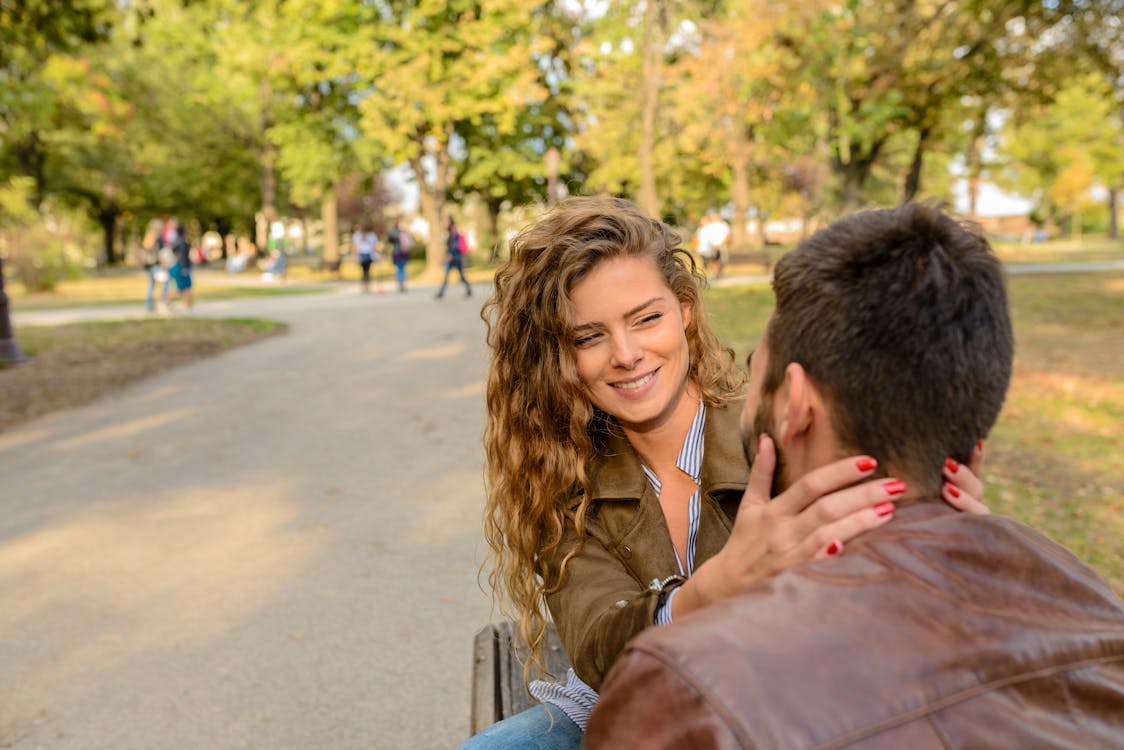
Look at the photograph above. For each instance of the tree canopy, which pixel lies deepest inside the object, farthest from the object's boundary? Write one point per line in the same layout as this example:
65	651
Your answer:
229	113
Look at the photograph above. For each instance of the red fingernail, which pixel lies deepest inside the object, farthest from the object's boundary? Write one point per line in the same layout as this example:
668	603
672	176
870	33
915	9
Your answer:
894	487
951	465
951	489
884	509
834	548
866	464
979	445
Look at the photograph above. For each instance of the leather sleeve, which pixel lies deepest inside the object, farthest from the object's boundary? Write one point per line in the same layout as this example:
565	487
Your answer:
645	703
598	608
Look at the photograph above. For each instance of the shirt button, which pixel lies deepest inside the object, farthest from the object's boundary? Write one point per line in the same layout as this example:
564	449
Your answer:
626	552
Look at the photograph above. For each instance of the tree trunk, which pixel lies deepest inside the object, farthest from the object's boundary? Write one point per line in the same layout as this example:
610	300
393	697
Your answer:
1113	225
432	200
108	220
913	176
648	197
494	240
853	172
329	215
739	195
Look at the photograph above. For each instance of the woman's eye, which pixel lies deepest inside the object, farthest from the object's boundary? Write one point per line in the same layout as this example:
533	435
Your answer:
651	318
585	340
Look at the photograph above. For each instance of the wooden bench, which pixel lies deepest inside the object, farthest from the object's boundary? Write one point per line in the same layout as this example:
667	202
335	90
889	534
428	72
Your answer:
330	266
497	673
752	256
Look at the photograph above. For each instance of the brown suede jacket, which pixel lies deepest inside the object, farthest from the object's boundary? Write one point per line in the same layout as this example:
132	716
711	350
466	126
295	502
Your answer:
937	630
607	595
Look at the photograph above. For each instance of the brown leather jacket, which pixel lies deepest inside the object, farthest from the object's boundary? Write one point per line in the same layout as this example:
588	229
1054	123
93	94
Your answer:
937	630
606	596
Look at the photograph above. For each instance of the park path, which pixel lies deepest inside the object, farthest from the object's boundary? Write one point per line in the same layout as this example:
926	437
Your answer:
274	548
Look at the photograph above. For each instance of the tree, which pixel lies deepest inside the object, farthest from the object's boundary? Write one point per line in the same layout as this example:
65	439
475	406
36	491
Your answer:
509	166
1057	150
422	68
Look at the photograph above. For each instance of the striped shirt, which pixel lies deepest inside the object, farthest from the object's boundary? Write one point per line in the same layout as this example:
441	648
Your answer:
574	697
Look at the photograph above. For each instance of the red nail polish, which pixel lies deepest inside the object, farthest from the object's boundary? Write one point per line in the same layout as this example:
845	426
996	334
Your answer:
834	548
979	446
884	509
951	489
951	465
894	487
866	464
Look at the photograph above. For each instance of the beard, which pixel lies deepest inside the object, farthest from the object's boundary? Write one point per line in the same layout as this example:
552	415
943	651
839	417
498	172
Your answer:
763	424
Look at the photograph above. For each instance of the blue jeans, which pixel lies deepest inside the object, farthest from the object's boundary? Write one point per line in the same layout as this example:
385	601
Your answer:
541	727
400	274
150	297
454	261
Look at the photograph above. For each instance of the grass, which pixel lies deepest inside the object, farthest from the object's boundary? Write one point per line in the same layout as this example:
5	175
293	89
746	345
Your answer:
128	287
1091	248
1054	460
74	364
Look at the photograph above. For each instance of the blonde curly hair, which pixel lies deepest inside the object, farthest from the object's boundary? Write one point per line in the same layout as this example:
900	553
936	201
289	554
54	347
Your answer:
542	428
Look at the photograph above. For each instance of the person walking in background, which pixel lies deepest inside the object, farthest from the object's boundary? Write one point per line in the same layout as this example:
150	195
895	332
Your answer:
180	271
712	240
150	259
454	258
400	244
366	246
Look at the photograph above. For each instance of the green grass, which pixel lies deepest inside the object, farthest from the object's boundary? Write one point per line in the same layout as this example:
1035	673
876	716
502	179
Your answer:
129	287
1054	459
73	364
1090	248
125	334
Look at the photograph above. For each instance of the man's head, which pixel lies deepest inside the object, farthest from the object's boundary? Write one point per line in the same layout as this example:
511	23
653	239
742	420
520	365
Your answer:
890	337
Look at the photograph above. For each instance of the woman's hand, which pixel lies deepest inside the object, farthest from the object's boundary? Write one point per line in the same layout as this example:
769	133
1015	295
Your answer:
963	489
812	518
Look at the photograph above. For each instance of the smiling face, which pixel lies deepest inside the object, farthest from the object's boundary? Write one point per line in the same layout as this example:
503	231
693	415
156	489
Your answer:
629	341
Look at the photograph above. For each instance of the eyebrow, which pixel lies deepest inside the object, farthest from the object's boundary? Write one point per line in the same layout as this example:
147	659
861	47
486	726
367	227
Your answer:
630	313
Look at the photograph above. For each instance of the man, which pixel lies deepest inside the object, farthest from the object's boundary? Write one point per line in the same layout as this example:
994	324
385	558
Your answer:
713	236
891	337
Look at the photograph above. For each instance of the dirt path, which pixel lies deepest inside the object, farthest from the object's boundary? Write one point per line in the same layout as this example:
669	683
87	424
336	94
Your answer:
277	547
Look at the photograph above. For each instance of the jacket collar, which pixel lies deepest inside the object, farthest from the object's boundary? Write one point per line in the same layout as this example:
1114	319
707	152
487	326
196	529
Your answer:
617	474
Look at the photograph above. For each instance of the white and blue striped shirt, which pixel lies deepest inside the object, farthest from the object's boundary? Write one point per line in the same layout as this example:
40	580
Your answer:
574	697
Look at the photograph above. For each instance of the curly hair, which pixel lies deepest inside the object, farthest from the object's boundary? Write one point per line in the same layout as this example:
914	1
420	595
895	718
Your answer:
542	429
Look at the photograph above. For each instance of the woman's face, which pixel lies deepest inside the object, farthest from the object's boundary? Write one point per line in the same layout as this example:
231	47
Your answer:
630	341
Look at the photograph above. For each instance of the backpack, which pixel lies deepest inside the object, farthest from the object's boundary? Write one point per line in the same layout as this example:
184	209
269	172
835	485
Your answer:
463	244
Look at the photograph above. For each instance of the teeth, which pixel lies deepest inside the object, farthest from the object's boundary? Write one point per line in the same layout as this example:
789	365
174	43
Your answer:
635	383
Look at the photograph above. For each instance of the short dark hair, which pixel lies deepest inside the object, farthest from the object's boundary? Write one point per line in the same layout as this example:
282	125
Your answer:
900	316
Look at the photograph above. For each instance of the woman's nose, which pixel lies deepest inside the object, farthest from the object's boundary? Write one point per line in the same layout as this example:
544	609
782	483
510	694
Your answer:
626	352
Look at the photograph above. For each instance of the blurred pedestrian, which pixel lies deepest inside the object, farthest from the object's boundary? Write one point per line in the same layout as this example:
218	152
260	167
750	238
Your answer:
455	250
366	247
180	271
150	259
712	239
400	243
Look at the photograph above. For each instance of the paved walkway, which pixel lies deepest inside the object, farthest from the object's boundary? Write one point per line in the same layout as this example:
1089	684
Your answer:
274	548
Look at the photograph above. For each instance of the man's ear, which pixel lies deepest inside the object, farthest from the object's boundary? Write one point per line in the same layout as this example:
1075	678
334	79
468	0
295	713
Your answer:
797	404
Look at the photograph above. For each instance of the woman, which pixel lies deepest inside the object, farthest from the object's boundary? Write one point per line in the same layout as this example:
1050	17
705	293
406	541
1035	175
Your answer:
619	492
455	248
